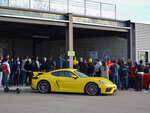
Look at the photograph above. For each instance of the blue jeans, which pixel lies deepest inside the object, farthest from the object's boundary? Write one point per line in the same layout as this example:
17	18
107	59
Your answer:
17	78
23	77
6	79
12	77
115	80
124	82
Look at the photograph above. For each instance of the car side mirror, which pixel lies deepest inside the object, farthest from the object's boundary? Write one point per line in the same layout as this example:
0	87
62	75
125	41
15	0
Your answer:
75	77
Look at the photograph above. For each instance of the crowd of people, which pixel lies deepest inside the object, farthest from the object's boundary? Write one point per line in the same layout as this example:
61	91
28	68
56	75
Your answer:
124	74
20	71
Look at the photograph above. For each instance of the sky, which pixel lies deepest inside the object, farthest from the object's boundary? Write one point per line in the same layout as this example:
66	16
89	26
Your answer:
134	10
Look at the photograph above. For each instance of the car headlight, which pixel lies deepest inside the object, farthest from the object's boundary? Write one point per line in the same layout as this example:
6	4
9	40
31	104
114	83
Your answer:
102	82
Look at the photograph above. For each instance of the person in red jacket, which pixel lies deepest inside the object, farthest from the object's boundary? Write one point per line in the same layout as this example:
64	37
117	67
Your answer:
6	72
132	77
109	64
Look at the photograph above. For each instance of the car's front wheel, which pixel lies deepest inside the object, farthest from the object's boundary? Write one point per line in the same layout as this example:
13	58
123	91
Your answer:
91	89
43	86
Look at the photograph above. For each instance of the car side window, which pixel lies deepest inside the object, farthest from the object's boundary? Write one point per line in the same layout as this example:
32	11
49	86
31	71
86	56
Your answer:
68	74
63	74
55	74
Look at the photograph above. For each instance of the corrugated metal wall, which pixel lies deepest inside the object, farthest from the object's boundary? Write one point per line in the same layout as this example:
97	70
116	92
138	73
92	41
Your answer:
142	34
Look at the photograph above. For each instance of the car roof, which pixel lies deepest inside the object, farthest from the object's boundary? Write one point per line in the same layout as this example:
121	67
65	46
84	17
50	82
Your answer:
66	69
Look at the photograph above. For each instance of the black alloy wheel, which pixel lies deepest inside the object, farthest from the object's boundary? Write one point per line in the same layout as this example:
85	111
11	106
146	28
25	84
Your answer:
43	86
91	89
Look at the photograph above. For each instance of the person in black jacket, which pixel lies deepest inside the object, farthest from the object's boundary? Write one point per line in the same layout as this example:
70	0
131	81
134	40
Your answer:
17	72
85	67
50	64
124	74
36	64
90	68
82	65
139	77
12	75
43	65
28	68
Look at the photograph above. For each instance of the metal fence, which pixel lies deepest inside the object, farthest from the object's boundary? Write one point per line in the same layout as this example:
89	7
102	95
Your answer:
80	7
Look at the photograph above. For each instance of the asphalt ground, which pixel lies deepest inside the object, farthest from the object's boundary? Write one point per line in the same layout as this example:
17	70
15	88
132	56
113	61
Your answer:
29	101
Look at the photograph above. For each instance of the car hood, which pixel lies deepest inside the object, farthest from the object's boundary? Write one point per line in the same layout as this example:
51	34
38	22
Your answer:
99	78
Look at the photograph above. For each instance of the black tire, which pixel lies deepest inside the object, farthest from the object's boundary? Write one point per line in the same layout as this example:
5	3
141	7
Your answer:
17	90
6	89
91	89
43	86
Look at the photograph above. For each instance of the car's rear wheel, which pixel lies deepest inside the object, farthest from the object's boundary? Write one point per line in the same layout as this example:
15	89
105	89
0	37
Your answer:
91	89
43	86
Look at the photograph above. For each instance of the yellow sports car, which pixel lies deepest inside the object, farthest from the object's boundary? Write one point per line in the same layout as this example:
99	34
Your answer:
71	80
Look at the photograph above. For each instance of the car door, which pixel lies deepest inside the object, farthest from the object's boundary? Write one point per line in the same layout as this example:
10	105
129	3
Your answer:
65	82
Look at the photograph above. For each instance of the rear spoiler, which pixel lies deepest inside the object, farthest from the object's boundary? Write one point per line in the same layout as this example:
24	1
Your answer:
37	73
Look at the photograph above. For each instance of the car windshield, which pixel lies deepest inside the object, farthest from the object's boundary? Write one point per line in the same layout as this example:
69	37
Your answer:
80	74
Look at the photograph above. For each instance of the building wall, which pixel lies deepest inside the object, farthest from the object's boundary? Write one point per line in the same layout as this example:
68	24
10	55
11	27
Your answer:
53	48
116	46
22	47
142	33
6	45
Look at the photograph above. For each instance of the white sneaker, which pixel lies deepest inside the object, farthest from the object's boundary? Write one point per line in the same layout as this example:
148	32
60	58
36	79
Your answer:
145	91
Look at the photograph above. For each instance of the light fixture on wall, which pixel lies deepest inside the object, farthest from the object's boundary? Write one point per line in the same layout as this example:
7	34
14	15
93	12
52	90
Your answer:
38	36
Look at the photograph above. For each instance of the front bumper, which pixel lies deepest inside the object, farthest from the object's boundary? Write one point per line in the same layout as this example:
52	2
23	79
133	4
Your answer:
108	89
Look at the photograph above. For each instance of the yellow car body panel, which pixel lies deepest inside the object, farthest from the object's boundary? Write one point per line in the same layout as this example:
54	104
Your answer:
69	84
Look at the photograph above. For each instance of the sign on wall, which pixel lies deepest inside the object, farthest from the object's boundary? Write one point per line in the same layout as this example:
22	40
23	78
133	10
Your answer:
94	54
103	55
71	53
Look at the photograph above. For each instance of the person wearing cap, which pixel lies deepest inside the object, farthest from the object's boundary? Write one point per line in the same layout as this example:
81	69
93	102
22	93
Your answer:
75	63
114	73
90	68
139	76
